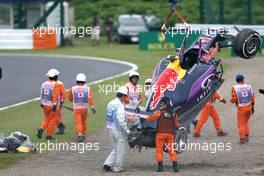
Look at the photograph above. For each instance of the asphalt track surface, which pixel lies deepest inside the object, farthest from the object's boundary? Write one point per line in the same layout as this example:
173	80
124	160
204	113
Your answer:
24	74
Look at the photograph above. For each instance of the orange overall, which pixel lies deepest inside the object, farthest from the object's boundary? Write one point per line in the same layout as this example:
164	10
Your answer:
49	97
62	97
165	134
209	110
81	96
243	97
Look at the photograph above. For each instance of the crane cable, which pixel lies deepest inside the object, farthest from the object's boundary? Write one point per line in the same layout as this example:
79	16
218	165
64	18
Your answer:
164	30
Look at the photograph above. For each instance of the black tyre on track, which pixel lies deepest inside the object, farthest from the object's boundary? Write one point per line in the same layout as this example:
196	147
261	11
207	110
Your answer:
247	43
181	140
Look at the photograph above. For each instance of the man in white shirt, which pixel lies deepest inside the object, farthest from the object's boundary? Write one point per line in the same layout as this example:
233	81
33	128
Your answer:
116	124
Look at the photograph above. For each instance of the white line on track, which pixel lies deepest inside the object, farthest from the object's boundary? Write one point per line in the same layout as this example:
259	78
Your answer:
133	67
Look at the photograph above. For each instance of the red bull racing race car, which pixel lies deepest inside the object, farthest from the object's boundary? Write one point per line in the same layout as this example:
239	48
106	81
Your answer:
189	79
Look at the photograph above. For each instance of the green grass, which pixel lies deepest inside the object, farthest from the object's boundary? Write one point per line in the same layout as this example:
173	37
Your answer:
27	118
8	159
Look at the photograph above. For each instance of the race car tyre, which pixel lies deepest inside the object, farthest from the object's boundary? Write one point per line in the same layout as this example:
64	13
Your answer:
181	138
247	43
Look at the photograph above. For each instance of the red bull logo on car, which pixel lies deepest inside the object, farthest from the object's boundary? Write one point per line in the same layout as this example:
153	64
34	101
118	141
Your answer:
166	81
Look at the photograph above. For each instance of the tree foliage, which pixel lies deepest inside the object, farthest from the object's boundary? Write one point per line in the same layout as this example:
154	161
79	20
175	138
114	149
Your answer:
235	11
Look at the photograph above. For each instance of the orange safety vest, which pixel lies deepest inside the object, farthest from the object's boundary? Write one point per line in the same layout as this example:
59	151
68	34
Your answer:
62	94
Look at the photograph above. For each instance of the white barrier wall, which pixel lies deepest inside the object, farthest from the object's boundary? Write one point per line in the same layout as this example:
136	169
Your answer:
229	27
16	39
21	39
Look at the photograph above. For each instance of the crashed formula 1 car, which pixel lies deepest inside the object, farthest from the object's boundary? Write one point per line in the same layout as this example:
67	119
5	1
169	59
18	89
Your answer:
189	80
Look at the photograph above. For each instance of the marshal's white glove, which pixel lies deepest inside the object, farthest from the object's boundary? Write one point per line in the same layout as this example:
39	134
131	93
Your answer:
128	132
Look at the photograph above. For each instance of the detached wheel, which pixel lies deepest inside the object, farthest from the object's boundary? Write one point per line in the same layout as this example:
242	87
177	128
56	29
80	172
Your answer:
247	43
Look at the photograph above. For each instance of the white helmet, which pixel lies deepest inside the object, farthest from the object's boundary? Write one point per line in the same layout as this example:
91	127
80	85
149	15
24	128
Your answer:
148	81
123	90
81	77
52	72
133	73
